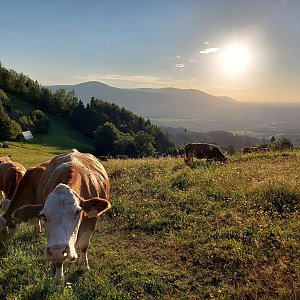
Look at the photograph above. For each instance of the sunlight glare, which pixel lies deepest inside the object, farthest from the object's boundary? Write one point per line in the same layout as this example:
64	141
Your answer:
235	58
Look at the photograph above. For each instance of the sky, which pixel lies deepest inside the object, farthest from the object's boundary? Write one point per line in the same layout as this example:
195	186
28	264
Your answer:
245	49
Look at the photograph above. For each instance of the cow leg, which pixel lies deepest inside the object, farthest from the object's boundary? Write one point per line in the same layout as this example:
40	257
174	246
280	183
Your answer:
86	230
5	204
83	244
59	274
38	228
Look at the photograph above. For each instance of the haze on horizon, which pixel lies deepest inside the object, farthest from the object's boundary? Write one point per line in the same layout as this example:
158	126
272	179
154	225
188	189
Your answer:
247	50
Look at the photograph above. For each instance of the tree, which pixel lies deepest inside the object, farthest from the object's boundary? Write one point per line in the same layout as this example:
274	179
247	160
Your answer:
144	144
9	129
26	123
41	121
124	144
4	100
281	143
46	101
105	138
65	101
231	149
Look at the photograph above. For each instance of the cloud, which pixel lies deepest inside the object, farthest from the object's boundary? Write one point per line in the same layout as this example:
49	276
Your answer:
206	43
210	50
178	56
179	65
133	81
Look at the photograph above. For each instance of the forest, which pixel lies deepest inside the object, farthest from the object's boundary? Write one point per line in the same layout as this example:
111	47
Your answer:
123	132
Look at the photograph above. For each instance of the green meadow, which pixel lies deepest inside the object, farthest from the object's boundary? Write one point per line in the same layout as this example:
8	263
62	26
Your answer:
204	231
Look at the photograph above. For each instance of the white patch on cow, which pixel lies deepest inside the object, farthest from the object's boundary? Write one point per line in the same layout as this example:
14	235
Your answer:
62	220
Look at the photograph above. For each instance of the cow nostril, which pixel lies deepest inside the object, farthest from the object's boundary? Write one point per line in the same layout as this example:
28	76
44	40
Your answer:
57	252
65	252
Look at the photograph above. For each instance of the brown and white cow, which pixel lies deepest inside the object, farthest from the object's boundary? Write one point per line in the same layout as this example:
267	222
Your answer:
202	150
74	190
25	193
10	174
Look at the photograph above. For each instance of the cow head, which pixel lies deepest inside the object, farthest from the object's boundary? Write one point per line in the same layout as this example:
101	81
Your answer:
62	214
7	228
5	231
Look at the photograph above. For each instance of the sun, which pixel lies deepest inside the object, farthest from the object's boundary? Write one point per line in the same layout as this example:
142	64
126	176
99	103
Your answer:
235	58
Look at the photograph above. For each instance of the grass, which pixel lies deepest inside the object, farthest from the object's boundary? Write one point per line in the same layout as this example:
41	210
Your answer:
176	232
61	136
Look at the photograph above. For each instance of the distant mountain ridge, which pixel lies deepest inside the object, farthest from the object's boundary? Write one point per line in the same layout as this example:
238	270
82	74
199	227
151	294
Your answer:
149	102
196	110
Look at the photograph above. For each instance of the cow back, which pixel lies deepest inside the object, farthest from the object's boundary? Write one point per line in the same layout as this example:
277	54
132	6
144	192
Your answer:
10	175
26	192
80	171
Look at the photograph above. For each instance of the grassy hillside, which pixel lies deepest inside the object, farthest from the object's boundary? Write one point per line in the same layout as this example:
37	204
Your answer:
61	136
176	232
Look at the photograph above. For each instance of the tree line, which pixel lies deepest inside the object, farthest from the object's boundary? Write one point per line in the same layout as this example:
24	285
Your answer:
222	138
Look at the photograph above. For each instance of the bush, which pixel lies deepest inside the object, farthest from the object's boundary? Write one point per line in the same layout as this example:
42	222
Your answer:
280	143
26	123
41	121
9	129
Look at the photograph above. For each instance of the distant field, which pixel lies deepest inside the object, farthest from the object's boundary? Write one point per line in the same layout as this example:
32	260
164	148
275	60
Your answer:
60	138
176	232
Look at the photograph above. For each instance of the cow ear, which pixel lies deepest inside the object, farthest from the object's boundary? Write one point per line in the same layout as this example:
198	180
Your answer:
94	207
27	212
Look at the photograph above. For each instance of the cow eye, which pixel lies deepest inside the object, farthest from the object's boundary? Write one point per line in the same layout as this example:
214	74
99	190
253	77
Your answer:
78	211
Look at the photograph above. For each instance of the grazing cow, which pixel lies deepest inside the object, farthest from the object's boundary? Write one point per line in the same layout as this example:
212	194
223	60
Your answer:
25	193
247	150
199	150
10	175
74	189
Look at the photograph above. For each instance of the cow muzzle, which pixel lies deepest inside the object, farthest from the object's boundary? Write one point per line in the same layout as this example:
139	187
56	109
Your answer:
7	228
58	253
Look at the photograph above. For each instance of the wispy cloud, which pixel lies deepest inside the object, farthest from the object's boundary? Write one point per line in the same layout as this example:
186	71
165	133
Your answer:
179	65
133	81
178	56
207	43
210	50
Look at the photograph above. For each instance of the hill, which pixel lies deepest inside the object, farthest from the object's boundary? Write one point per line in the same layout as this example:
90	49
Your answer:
61	135
115	130
198	111
177	232
165	102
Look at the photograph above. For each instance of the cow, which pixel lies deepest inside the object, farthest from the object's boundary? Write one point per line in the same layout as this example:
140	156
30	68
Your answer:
73	193
202	150
25	193
247	150
10	174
